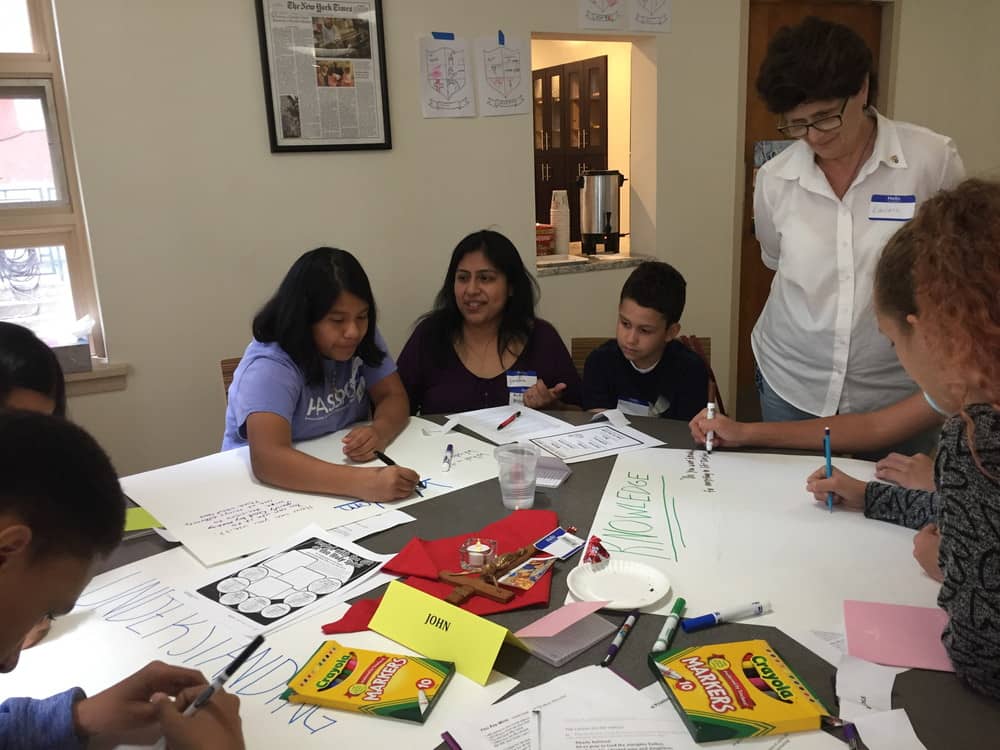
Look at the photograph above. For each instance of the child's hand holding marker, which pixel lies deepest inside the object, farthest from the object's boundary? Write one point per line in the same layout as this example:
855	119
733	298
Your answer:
847	491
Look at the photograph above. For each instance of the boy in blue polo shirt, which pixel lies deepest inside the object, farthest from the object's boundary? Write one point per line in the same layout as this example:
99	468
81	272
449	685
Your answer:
644	370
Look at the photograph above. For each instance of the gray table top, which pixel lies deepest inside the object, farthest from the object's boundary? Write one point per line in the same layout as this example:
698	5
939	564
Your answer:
944	713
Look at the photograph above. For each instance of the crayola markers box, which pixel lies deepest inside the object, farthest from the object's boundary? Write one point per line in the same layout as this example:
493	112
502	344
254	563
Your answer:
371	682
730	690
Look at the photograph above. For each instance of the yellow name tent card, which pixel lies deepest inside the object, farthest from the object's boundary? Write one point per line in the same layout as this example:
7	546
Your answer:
439	630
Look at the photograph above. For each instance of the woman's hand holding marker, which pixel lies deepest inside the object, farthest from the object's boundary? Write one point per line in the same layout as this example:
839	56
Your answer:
725	431
847	491
391	483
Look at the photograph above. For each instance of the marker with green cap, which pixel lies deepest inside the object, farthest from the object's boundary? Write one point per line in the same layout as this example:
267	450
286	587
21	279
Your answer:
670	626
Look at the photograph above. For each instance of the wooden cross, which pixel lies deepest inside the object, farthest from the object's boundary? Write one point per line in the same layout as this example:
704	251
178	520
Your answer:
485	583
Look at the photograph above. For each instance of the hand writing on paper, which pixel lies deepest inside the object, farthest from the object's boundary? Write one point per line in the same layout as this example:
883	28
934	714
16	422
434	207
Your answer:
727	431
390	483
125	709
847	491
913	472
540	396
927	551
361	443
215	726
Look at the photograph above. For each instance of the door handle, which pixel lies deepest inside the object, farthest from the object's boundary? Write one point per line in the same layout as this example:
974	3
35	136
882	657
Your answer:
585	138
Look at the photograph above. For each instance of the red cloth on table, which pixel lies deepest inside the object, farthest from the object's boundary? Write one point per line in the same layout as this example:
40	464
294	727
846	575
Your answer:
422	559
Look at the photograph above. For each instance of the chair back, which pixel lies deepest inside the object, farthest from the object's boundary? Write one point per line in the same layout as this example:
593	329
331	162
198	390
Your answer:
228	367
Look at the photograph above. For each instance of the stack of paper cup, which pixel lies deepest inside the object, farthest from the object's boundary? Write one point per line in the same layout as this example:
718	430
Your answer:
559	218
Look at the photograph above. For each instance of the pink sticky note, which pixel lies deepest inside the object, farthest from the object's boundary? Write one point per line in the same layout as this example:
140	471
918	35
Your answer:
555	622
897	635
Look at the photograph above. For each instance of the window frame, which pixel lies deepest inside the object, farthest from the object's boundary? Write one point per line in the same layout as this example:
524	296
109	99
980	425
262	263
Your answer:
53	222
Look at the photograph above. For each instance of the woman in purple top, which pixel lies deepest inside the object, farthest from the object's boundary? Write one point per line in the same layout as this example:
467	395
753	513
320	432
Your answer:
482	345
318	364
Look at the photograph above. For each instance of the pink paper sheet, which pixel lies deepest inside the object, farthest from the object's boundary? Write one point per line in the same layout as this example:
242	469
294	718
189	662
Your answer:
897	635
555	622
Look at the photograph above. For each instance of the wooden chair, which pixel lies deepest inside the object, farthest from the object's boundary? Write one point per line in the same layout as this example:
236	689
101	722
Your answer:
580	349
228	368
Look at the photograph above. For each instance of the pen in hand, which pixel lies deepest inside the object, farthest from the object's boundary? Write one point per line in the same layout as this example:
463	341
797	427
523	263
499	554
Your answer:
710	414
829	465
389	462
221	679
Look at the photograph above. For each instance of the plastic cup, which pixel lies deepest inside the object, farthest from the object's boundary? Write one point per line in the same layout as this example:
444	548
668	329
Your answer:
517	474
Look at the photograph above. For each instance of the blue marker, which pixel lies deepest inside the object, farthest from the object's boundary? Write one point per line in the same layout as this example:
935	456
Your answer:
733	614
829	465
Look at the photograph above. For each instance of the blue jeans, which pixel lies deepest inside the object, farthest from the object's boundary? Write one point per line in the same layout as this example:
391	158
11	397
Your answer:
773	408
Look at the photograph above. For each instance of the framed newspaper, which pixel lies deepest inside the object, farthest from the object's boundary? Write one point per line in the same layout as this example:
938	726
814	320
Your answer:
324	74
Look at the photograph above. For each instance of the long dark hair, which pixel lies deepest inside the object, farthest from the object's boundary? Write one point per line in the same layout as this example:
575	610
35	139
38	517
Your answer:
518	318
26	362
308	291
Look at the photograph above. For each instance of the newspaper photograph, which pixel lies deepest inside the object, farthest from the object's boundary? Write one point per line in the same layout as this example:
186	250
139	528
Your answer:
324	74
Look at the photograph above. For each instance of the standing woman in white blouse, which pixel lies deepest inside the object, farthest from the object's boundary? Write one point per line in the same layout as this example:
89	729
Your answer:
823	210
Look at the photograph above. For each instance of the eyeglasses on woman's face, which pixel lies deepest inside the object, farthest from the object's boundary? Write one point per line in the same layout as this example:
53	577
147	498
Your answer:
824	124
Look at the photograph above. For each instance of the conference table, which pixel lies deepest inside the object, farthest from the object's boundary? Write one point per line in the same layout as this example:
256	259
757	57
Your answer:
945	714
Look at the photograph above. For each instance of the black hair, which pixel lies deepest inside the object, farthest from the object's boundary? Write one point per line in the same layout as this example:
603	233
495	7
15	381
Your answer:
814	61
310	288
26	362
659	286
518	319
61	484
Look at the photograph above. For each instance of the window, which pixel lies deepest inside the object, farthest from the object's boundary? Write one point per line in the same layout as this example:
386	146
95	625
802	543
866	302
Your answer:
46	277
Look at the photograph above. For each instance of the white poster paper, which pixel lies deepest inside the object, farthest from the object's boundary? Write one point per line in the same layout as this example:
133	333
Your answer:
308	572
446	75
650	15
472	460
503	77
138	613
216	507
528	423
603	14
891	730
730	528
864	687
591	441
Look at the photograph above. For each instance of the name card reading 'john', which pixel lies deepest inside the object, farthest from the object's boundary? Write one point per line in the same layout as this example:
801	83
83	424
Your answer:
439	630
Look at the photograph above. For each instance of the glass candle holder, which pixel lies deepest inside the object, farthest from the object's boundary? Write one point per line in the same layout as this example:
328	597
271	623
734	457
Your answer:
476	553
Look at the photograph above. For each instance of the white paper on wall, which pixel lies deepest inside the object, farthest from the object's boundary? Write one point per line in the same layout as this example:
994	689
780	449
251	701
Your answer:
503	75
603	14
446	77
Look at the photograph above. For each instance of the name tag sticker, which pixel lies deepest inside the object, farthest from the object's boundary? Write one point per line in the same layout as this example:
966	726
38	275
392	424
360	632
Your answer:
635	407
521	379
892	207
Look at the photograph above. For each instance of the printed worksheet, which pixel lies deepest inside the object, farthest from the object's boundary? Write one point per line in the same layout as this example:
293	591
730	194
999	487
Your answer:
525	423
313	570
591	441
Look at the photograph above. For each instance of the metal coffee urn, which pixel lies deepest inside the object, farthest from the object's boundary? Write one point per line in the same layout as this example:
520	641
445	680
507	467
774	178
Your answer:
599	209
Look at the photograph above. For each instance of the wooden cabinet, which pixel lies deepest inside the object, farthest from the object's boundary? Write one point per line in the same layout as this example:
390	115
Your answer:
570	131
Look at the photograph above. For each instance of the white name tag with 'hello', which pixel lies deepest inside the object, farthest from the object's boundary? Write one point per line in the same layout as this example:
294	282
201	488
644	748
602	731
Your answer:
892	207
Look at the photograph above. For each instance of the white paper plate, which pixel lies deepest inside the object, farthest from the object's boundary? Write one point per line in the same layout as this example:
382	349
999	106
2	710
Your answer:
625	584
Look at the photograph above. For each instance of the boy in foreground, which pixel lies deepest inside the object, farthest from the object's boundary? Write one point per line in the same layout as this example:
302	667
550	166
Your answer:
644	370
61	511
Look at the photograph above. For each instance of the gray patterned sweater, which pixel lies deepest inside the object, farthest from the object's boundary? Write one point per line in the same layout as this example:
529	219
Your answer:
966	508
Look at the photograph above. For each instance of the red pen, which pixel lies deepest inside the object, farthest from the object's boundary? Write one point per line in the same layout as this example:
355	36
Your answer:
508	420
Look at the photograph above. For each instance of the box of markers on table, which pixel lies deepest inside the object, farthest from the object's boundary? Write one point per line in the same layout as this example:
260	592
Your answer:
730	690
370	682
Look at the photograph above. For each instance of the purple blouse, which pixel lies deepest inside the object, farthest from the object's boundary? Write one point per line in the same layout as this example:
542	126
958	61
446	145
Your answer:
447	387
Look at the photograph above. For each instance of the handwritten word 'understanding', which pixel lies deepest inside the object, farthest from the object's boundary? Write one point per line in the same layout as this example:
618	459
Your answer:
158	614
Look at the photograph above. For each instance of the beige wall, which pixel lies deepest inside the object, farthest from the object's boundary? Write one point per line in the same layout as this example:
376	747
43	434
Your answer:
548	52
194	221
